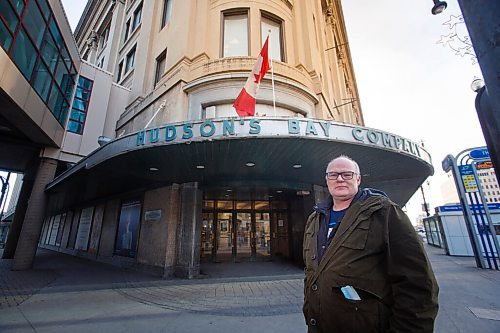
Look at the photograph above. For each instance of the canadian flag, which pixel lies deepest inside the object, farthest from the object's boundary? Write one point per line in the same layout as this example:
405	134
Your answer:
245	103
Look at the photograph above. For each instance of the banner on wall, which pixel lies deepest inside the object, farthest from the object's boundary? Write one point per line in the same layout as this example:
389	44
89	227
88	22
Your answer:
128	229
82	237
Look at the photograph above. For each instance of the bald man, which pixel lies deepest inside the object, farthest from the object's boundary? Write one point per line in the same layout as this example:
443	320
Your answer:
366	269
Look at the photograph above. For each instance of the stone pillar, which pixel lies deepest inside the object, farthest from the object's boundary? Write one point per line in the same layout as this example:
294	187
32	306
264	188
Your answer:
21	206
320	193
33	220
173	221
189	232
92	43
299	210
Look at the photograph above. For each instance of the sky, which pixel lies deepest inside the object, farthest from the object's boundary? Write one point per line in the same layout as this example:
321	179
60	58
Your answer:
411	85
408	83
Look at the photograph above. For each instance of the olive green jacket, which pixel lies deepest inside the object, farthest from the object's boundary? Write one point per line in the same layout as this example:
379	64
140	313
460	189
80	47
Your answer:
377	251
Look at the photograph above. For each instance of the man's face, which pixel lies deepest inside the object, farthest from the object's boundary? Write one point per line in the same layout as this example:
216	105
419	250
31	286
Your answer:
340	188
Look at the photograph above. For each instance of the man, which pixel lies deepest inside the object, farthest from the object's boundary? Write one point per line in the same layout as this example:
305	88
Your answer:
366	270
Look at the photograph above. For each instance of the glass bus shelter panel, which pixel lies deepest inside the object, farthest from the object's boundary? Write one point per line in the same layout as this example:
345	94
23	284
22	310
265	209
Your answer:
243	228
433	232
224	236
263	234
207	236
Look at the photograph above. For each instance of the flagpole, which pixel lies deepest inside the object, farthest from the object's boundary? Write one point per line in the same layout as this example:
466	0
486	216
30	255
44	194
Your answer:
272	74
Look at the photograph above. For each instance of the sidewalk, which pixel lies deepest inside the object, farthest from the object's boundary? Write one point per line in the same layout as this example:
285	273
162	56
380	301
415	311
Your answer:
65	293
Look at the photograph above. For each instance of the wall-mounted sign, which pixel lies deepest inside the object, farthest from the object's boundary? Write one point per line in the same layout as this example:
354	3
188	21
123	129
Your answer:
82	237
152	215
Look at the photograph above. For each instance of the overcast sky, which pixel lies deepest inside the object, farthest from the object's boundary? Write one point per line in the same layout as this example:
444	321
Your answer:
408	83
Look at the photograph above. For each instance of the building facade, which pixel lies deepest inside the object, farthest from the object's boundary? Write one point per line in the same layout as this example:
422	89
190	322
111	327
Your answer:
153	169
489	185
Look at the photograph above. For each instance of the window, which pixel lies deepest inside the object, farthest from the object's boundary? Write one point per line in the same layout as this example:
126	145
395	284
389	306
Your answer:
8	21
167	12
42	81
5	35
34	23
24	54
128	228
127	28
137	17
160	66
80	107
104	36
235	34
130	60
30	36
120	69
274	26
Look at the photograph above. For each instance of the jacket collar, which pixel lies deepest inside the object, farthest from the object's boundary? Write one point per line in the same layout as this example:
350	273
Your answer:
363	194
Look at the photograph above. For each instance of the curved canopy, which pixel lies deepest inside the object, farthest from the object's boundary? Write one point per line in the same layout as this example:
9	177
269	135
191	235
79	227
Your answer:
250	155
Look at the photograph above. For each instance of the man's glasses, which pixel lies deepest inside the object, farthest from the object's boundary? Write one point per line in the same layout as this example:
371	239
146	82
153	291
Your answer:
347	175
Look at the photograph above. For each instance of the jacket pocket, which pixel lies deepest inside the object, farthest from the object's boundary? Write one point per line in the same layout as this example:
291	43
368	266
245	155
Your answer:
368	315
357	239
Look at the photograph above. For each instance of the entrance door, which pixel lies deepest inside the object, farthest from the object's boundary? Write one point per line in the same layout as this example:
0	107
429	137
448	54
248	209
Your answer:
208	236
262	234
233	239
279	230
243	235
244	230
224	237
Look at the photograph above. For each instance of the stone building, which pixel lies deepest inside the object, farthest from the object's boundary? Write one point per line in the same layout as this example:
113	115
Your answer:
153	169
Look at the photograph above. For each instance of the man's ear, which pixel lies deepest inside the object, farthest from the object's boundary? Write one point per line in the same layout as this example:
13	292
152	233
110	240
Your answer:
359	179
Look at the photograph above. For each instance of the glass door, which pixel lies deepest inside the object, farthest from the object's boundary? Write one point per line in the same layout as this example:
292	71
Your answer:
262	234
243	235
207	237
224	237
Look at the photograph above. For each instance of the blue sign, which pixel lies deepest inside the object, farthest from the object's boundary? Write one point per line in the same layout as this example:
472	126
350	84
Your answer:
458	208
479	154
466	169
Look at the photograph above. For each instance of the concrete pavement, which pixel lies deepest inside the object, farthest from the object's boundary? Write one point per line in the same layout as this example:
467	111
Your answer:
65	293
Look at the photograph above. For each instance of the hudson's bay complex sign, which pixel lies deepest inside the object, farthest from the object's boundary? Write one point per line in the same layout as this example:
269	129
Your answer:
220	129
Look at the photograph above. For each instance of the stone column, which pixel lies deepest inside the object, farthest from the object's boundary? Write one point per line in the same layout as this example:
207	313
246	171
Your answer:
189	232
21	206
299	209
33	220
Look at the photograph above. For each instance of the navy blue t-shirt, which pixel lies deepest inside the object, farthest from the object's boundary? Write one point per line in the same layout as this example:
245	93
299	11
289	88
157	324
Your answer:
326	232
335	217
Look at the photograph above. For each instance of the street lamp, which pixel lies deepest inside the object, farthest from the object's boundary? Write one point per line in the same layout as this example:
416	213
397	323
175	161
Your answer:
476	84
481	20
426	205
439	7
